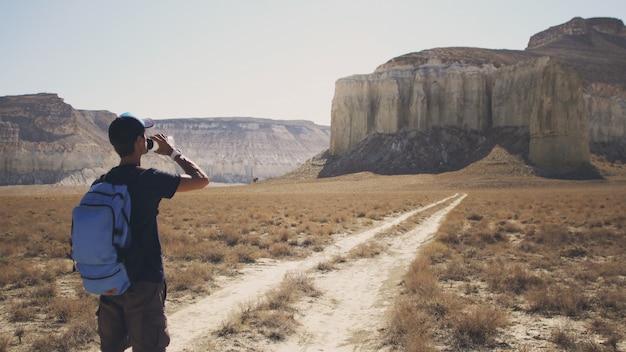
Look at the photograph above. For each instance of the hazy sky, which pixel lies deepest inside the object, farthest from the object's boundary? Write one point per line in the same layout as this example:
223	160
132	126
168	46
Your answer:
277	59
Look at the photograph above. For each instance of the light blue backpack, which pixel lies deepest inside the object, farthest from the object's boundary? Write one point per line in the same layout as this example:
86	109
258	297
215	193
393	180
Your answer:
101	238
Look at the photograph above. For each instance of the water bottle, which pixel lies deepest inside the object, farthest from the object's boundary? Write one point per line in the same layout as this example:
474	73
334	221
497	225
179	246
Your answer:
152	145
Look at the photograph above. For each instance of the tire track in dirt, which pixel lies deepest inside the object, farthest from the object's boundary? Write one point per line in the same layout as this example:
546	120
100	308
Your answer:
352	309
340	302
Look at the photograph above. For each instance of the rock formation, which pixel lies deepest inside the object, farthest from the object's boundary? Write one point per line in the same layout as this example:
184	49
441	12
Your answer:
238	150
565	93
43	140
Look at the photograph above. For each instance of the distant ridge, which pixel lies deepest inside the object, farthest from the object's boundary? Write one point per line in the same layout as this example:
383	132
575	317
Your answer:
43	140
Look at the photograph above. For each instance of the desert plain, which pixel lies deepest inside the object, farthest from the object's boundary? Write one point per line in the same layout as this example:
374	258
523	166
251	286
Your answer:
488	258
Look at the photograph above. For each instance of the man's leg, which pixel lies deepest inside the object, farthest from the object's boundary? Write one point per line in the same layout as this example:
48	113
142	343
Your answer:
145	317
112	326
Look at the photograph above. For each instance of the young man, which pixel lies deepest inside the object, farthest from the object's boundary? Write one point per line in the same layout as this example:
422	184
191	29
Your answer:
137	317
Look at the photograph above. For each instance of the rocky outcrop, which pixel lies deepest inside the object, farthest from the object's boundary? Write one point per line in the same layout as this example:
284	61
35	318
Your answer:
558	123
406	97
236	150
538	95
606	110
595	48
564	105
43	140
47	141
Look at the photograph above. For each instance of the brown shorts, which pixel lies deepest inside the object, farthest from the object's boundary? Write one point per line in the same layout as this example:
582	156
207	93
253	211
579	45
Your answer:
135	318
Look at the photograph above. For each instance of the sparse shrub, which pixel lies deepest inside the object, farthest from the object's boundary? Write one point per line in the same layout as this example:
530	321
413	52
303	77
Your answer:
574	251
300	283
214	253
21	314
436	251
475	217
340	217
366	250
329	265
420	279
568	340
375	214
276	299
280	249
229	327
563	338
451	238
552	235
471	289
458	269
470	253
409	327
27	276
325	265
273	314
42	295
511	278
511	227
557	299
63	309
245	253
75	334
439	304
478	327
284	235
339	259
527	246
231	237
193	277
612	302
608	330
252	239
315	242
276	326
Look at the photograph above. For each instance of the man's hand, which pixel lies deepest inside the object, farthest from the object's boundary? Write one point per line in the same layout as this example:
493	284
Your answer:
165	147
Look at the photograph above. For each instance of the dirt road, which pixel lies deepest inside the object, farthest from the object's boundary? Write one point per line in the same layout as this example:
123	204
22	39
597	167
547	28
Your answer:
345	317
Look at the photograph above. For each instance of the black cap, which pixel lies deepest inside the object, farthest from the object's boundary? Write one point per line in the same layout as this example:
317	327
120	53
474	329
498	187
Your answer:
127	127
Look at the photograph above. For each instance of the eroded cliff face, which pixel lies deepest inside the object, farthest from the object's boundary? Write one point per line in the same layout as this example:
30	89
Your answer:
538	95
43	140
238	150
545	96
558	121
409	98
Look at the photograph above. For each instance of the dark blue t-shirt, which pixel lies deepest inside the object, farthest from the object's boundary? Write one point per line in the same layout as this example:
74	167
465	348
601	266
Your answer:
146	188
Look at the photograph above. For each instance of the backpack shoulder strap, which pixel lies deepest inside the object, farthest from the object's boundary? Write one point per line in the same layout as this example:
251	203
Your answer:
99	179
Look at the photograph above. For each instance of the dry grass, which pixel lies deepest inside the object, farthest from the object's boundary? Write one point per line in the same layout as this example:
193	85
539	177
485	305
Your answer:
273	314
213	232
557	250
540	253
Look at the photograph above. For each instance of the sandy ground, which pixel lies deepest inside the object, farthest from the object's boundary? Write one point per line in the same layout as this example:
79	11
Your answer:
348	314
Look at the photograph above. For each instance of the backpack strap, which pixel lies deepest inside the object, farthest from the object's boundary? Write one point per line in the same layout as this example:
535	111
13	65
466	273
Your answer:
99	179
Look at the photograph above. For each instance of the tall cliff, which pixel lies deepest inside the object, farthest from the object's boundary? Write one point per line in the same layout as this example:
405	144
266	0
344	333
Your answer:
43	140
564	94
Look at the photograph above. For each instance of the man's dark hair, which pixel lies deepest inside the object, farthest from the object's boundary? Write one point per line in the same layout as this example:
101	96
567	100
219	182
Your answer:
124	130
